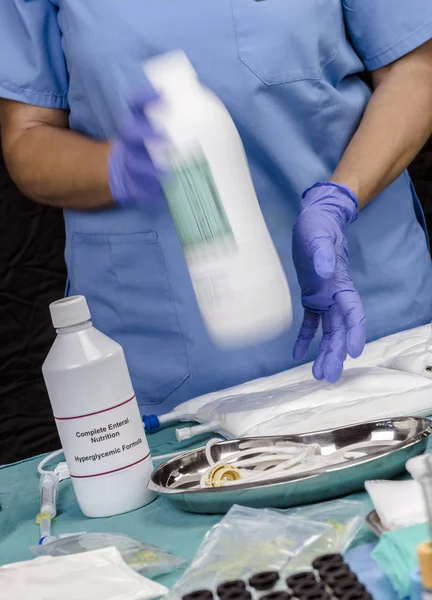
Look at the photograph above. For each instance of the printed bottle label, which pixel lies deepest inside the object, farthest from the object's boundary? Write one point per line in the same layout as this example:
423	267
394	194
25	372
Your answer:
195	205
104	441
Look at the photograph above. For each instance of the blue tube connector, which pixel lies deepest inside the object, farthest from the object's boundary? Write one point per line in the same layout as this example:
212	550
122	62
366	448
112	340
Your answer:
151	423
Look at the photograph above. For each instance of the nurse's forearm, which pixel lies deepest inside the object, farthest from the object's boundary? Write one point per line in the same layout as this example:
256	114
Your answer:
395	126
52	164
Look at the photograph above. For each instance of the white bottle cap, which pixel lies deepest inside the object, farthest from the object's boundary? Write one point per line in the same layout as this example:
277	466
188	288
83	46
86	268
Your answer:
169	70
69	311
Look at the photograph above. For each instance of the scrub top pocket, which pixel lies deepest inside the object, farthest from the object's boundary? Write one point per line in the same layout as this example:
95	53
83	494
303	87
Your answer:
125	281
279	40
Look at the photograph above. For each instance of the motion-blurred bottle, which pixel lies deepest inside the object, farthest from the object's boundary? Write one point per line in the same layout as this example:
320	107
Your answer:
97	414
235	270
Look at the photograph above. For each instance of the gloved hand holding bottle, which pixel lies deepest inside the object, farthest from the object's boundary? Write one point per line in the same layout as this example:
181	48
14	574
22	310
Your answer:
320	255
133	178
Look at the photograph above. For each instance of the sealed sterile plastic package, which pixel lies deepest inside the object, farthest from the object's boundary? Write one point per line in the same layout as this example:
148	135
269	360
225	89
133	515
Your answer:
301	407
377	353
330	415
142	558
244	542
344	517
99	575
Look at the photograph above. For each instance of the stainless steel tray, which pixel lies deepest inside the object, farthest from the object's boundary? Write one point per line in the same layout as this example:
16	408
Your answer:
346	477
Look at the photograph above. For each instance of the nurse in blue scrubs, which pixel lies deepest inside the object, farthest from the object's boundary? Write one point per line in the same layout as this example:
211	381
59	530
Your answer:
289	73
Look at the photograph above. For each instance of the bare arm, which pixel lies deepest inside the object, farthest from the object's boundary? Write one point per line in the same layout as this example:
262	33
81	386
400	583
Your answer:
395	126
50	163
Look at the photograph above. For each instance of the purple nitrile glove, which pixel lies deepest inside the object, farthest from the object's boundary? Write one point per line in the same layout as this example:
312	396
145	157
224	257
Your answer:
133	178
320	254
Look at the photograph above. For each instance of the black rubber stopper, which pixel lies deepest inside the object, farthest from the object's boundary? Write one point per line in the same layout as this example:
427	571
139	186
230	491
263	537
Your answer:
229	586
237	595
357	596
308	589
264	581
277	596
336	578
301	578
199	595
315	596
342	589
332	570
327	559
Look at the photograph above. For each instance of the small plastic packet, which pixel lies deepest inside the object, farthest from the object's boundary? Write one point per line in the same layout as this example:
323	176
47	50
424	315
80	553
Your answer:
244	542
344	518
99	575
144	559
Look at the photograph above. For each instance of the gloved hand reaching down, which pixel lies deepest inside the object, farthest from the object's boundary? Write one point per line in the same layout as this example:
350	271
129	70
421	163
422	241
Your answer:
320	255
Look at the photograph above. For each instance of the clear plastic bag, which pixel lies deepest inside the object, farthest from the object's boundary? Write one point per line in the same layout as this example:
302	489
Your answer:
99	575
244	542
344	518
145	559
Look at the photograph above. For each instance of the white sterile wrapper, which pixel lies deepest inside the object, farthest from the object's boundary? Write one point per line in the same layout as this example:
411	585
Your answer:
416	360
378	353
99	575
315	405
397	503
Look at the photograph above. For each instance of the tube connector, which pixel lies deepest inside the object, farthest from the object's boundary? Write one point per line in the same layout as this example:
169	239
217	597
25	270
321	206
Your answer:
188	432
151	423
183	434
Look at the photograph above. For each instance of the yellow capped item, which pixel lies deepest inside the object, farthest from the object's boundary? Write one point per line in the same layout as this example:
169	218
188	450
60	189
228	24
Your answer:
221	473
42	515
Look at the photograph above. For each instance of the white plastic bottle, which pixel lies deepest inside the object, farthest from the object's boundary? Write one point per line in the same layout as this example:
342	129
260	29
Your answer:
235	270
97	414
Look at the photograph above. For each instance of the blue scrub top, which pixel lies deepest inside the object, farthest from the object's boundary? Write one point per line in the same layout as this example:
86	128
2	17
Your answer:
287	71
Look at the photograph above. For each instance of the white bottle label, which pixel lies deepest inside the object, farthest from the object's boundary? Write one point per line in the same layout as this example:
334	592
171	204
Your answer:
202	225
104	441
196	207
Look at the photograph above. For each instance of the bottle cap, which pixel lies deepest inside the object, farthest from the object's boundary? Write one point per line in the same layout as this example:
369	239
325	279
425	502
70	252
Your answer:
69	311
424	553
